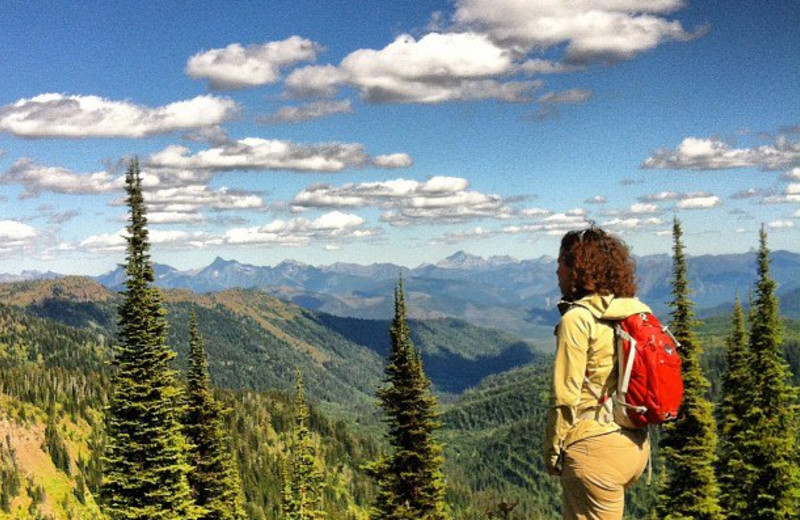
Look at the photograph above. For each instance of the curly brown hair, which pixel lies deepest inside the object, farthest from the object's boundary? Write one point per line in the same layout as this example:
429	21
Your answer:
598	263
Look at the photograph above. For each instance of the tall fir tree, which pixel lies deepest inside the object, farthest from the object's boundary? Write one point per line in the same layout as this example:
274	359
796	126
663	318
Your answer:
735	474
689	487
214	478
409	479
302	480
145	460
771	450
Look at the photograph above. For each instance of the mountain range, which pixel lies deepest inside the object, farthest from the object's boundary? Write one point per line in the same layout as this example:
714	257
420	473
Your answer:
517	296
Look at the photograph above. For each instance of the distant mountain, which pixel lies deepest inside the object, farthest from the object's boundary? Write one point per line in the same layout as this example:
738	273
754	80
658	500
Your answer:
517	296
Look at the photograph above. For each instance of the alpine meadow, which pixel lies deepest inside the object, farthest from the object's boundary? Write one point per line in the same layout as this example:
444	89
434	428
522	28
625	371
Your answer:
380	260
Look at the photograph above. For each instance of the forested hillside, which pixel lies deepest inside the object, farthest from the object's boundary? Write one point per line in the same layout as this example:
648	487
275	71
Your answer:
54	387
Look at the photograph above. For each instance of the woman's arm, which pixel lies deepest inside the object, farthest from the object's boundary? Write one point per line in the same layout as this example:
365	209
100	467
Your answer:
572	345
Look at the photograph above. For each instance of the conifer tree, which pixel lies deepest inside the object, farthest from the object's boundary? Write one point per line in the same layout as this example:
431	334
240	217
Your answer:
735	475
145	460
214	478
303	481
409	479
771	449
689	487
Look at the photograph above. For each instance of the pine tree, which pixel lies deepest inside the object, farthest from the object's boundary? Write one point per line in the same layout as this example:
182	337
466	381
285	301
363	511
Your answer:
214	478
145	461
689	487
771	450
735	475
303	482
409	479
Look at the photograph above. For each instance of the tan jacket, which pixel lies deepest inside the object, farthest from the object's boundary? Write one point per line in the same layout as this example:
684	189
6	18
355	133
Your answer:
585	347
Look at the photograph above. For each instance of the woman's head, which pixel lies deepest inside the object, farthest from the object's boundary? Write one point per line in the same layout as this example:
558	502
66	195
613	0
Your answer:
592	261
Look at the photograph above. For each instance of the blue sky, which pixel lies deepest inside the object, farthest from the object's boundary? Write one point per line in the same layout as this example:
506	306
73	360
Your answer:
395	131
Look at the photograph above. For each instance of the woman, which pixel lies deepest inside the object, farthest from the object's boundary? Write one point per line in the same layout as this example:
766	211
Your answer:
595	458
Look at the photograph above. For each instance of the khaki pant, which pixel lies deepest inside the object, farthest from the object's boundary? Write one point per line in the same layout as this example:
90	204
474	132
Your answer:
598	470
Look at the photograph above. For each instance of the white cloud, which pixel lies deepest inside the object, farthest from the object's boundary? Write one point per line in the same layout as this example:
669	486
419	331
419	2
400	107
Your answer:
395	160
307	112
315	81
59	115
171	195
300	231
781	224
596	199
16	237
632	223
699	202
237	66
796	214
606	30
37	178
535	212
540	66
254	153
715	154
437	200
792	175
644	208
660	196
434	69
115	242
790	194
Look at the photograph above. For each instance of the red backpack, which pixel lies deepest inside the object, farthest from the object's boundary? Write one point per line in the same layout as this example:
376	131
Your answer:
649	384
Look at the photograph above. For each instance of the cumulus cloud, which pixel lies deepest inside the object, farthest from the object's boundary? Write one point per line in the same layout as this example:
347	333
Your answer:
59	115
791	194
596	199
540	66
695	153
330	227
37	179
607	30
632	223
635	211
237	66
437	200
555	224
792	175
16	237
302	231
660	196
315	81
434	69
307	112
254	153
172	195
698	202
395	160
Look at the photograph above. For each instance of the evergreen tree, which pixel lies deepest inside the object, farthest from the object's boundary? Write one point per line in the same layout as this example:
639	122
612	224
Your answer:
771	450
689	487
145	462
409	479
735	475
214	478
303	482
